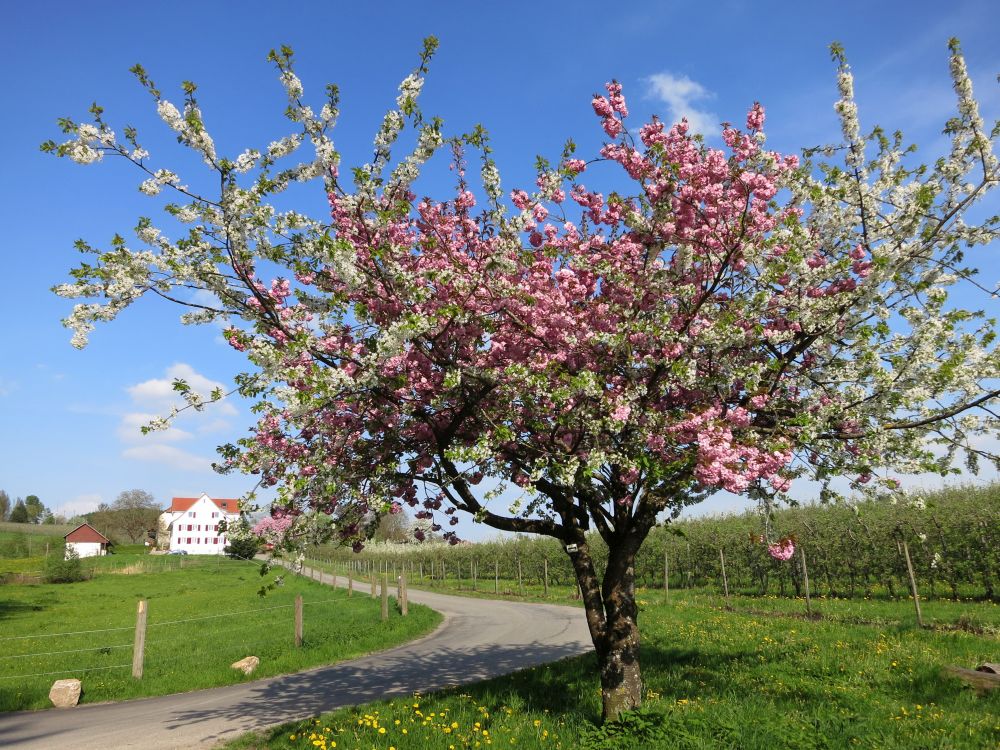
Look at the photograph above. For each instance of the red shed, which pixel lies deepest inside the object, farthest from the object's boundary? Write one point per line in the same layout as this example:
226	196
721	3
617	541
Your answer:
87	541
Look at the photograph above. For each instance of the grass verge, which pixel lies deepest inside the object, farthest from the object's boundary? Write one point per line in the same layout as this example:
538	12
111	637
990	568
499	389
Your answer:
713	679
202	617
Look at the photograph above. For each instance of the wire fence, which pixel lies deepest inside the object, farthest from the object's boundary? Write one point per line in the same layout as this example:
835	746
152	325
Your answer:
175	644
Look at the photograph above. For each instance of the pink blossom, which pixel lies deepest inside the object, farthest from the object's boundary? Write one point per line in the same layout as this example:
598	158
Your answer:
602	106
755	117
782	549
520	199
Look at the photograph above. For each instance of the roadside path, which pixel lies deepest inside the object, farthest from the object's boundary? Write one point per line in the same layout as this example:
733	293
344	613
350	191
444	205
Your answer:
479	638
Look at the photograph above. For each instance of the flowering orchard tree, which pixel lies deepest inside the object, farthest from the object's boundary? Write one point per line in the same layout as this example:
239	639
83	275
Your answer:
733	320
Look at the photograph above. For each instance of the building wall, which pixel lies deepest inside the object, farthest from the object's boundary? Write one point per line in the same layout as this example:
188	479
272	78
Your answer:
196	530
85	549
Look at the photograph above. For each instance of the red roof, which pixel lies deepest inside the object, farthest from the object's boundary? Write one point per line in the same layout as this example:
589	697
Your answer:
227	504
86	533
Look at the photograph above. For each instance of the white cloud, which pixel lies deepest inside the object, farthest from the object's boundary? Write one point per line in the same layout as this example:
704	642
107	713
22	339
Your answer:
679	94
80	504
159	392
155	398
7	387
215	425
130	429
168	455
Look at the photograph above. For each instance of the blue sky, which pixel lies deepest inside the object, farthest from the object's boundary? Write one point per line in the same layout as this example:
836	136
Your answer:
68	430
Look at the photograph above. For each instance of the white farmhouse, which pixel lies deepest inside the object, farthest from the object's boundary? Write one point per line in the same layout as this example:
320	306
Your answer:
191	524
86	541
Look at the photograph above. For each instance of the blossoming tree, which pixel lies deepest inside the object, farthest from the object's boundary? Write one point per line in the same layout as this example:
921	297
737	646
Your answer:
733	320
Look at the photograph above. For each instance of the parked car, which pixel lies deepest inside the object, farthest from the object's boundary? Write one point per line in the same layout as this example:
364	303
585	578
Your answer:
177	552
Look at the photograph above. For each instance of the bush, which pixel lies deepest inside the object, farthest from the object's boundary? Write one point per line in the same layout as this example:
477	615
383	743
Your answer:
242	548
63	567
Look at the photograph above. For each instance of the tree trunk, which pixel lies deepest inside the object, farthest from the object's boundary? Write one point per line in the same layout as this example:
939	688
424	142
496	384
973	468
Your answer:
612	617
618	660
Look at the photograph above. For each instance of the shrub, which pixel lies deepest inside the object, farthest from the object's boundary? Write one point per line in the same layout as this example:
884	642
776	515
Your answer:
241	548
63	567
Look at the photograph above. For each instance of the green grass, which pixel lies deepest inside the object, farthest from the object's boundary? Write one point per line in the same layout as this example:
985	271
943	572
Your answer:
180	656
37	529
714	679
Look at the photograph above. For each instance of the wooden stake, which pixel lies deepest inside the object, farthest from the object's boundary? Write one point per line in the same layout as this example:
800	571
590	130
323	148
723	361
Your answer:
545	568
404	596
805	580
520	583
913	584
475	575
725	580
666	573
496	576
139	644
350	583
374	585
385	597
298	621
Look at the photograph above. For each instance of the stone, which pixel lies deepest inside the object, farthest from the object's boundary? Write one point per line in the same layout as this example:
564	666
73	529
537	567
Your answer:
65	693
247	665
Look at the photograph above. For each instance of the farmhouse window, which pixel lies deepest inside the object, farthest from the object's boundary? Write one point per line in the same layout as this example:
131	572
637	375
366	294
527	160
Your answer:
189	540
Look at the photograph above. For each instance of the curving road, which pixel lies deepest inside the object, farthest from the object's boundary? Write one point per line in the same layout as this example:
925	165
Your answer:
479	638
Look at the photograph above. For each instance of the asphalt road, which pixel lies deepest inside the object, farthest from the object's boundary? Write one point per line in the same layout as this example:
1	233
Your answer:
479	638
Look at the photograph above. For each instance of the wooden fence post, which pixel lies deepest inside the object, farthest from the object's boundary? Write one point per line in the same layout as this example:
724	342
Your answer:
404	596
805	580
496	576
374	585
725	580
913	584
475	575
545	569
139	644
385	597
666	573
520	583
350	582
298	621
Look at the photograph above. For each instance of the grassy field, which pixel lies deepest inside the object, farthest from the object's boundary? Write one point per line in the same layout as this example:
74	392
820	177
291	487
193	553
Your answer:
975	616
204	614
37	529
714	679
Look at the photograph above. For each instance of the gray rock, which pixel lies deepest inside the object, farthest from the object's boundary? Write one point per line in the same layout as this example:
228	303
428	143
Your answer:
65	693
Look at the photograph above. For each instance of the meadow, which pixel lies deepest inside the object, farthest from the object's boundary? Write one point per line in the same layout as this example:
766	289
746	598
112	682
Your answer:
204	614
713	679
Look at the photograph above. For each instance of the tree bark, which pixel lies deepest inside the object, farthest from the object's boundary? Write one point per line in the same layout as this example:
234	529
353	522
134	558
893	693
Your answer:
612	617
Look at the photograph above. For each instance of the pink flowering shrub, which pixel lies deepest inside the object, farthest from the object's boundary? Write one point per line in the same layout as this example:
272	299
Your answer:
272	530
